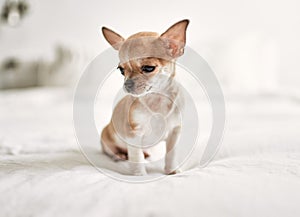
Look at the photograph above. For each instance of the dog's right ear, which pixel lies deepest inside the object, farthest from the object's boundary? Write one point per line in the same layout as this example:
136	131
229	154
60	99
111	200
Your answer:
114	39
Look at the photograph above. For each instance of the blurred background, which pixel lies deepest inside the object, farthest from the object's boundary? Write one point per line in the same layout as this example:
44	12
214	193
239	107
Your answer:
252	46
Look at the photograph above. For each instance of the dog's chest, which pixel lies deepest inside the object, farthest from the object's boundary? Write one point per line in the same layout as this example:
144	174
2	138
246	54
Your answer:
153	112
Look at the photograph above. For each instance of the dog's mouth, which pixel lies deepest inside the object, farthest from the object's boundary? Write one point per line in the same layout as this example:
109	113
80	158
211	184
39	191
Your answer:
139	92
149	88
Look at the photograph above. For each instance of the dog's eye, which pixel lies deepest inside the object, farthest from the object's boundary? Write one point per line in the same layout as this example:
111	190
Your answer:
148	69
121	69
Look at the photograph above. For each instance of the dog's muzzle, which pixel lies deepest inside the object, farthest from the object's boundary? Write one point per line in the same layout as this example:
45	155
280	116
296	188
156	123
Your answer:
129	85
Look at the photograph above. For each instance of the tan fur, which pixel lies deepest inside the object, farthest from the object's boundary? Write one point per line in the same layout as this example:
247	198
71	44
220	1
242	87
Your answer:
129	119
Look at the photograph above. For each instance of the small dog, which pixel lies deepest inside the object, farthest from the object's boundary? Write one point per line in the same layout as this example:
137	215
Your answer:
150	113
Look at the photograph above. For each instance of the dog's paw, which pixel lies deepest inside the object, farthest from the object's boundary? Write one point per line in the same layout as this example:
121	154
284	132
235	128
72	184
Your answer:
140	173
172	172
138	170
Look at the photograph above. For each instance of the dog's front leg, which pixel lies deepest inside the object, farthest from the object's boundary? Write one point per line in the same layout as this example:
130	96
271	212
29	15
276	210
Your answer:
136	160
170	160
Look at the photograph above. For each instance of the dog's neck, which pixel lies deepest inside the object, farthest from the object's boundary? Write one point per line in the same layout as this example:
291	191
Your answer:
164	81
162	98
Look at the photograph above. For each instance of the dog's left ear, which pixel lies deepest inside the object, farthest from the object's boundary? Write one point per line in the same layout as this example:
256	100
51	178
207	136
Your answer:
175	37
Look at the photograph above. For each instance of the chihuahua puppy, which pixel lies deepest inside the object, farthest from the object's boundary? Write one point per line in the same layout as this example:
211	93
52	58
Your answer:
150	112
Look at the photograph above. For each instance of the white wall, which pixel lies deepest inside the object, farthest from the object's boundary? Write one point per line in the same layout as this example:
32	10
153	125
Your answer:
246	42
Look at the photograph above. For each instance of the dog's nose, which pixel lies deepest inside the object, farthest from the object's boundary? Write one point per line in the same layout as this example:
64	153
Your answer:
129	83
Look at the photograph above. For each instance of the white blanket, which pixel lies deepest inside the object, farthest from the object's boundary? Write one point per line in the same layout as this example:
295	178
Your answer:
43	173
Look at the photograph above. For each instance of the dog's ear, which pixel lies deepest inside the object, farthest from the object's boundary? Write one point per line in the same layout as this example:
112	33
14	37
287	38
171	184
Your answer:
113	38
174	38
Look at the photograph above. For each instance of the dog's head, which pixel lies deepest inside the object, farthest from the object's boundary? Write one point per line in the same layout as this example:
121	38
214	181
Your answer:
147	58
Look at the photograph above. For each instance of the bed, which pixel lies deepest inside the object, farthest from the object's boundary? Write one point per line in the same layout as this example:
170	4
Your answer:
43	172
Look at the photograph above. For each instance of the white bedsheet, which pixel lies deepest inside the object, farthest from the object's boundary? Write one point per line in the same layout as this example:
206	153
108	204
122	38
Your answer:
43	173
